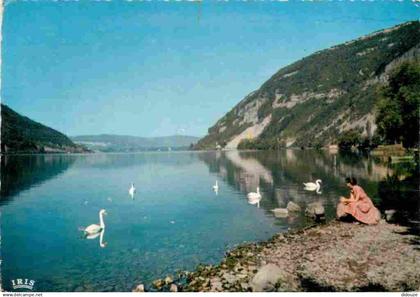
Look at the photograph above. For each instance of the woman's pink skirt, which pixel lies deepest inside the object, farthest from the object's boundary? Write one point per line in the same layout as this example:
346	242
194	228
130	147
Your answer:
362	210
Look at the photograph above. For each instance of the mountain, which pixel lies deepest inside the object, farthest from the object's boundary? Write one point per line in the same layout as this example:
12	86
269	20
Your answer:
20	134
120	143
312	101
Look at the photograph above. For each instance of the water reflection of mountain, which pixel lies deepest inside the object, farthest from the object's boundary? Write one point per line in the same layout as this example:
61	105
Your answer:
294	165
19	173
281	174
334	168
120	160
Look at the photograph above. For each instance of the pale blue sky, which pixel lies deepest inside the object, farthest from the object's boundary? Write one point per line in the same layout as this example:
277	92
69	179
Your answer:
160	68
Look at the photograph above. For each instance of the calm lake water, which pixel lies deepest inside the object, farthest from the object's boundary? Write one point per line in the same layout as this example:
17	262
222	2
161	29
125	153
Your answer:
175	220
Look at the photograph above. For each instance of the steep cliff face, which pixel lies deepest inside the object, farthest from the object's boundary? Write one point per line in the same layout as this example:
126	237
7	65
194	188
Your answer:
313	100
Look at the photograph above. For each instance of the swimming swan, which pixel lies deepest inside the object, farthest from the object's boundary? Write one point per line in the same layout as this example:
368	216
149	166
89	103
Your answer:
253	195
313	186
132	190
216	187
94	228
255	198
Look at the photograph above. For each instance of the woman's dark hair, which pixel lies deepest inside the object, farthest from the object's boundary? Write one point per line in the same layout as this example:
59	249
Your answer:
351	180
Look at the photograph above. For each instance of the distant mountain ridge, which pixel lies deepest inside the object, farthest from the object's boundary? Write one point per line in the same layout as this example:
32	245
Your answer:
20	134
312	101
112	142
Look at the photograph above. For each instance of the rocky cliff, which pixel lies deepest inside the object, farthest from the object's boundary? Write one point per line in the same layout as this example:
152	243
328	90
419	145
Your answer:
313	100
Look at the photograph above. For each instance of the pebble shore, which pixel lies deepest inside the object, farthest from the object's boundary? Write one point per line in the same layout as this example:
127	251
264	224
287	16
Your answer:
336	256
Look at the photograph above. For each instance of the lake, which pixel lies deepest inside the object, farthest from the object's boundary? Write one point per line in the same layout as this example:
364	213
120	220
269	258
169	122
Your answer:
175	220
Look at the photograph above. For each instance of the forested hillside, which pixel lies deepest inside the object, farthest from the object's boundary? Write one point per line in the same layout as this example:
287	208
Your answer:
20	134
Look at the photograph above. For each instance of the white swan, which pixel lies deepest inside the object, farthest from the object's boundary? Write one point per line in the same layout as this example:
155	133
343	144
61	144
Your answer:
132	190
93	235
94	228
313	186
216	187
255	198
254	195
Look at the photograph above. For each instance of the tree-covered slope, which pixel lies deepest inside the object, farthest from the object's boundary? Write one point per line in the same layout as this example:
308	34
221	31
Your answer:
313	100
20	134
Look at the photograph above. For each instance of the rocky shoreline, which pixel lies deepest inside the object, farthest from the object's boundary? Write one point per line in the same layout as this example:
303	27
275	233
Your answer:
336	256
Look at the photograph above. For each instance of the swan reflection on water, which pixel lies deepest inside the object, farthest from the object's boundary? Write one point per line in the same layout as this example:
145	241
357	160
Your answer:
216	188
132	191
131	195
101	234
255	202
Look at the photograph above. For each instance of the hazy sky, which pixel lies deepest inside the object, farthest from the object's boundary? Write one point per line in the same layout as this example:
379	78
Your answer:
160	68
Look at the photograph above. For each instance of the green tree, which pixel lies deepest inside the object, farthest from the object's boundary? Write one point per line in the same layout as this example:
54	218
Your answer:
348	139
398	109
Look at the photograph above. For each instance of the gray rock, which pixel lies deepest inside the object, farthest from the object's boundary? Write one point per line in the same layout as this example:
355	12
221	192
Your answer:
315	210
390	215
216	285
168	280
266	278
291	206
173	288
280	212
79	289
139	288
158	283
244	286
228	277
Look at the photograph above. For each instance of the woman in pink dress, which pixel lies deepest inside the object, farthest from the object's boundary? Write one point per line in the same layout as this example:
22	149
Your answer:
358	205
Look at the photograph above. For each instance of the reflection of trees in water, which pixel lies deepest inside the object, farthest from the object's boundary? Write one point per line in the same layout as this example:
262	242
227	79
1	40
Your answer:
333	168
301	166
364	166
344	164
281	173
400	191
19	173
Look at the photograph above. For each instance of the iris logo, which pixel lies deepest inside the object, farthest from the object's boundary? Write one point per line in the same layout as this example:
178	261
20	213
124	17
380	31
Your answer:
20	283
